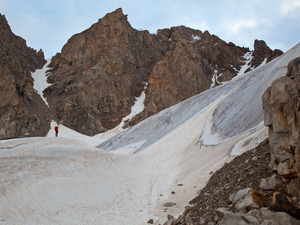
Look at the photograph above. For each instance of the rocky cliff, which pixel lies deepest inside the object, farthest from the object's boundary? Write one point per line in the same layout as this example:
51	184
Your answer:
281	104
22	111
262	52
99	72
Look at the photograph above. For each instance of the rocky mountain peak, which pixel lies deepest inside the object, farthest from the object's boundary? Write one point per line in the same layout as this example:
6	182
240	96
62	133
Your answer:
113	17
115	61
4	24
82	48
260	46
262	52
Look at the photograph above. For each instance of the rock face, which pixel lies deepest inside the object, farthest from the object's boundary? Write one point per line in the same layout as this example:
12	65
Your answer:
101	71
262	52
22	111
282	115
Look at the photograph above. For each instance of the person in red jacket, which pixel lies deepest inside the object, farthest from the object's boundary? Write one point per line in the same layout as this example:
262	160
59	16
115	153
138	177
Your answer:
56	131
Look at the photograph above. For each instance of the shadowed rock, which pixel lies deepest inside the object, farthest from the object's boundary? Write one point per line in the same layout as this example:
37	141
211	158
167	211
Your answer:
22	111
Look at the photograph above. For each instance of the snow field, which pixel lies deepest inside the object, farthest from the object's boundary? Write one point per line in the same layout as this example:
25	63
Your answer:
64	181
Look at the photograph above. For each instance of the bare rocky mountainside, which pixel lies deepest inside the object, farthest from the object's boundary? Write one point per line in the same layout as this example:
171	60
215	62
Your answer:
22	111
99	72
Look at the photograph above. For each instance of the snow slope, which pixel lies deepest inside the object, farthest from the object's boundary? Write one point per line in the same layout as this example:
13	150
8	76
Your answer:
248	58
68	181
40	80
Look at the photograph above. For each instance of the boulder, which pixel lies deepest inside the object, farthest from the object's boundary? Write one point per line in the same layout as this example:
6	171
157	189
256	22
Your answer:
294	69
282	203
150	221
246	199
169	204
269	183
235	197
258	216
266	216
226	217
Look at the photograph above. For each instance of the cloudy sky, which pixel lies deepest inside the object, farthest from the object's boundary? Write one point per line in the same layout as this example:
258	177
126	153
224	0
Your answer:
48	24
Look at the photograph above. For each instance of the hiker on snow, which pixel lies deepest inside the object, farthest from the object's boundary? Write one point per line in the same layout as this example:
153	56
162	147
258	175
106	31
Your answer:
56	131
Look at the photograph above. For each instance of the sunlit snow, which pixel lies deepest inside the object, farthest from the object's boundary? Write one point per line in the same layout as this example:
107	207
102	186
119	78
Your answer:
136	108
195	38
214	79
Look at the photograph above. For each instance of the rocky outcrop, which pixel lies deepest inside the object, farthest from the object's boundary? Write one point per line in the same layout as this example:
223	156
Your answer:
22	111
263	52
100	71
281	114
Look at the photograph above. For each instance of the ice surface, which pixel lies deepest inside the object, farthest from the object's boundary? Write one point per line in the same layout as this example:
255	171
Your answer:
65	180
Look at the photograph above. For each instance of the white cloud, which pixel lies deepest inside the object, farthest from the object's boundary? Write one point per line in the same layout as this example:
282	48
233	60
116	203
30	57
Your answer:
290	7
238	25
